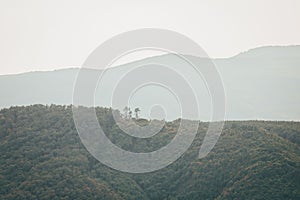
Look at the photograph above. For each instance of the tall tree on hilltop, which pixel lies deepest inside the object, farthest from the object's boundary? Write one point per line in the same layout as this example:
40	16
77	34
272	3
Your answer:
137	111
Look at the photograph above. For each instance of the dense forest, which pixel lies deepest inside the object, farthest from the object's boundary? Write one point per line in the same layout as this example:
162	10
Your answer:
42	157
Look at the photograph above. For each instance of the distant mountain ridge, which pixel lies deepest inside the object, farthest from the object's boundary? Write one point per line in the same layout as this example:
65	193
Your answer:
262	83
271	51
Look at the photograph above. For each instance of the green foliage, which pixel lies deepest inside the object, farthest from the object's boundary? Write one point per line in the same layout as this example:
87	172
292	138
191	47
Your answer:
42	158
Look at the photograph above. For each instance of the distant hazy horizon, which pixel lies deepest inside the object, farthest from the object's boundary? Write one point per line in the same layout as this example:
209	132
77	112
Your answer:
47	35
259	84
137	57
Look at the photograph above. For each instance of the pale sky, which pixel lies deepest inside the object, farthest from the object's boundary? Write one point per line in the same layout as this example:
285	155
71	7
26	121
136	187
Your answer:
55	34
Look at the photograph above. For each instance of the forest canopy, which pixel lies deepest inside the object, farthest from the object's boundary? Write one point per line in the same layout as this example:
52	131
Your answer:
42	157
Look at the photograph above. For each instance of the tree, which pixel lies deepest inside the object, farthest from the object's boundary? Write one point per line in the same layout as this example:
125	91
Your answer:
136	111
129	114
126	111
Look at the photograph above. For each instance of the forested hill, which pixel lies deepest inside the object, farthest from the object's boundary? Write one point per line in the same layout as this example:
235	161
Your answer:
42	158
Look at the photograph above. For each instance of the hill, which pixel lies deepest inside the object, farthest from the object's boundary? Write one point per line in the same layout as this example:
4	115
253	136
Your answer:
262	83
42	158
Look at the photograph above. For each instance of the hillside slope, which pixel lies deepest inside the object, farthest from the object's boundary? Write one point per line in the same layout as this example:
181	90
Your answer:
42	158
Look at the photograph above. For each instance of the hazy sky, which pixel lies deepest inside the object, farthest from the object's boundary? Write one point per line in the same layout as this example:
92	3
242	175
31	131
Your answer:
44	35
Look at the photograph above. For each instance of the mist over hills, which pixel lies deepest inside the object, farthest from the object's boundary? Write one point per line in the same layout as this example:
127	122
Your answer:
43	157
262	83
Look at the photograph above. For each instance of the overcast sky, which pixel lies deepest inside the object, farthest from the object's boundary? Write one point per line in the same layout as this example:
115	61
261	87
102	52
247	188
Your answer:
54	34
